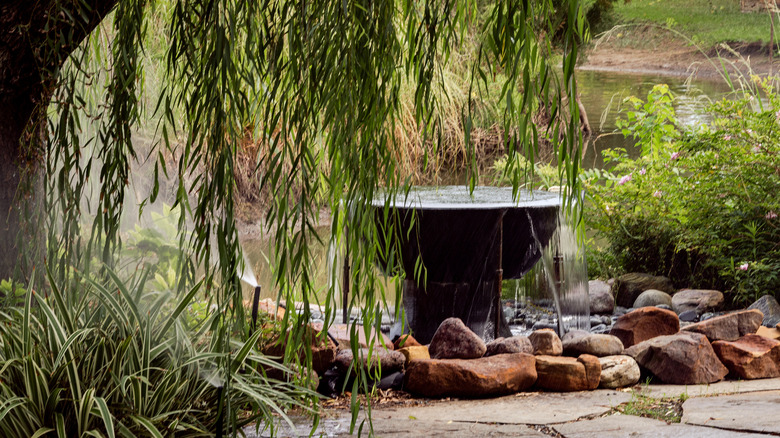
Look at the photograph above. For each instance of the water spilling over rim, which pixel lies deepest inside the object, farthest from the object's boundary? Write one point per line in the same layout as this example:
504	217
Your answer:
459	198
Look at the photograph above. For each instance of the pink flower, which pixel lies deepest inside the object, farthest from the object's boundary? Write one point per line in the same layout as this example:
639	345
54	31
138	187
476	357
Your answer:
643	171
657	194
727	137
756	149
624	180
749	131
777	115
771	215
675	155
744	267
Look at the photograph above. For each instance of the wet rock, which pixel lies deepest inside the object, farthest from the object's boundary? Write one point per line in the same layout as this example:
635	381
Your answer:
620	311
595	320
728	327
600	295
689	316
546	342
700	300
511	345
545	325
323	349
600	329
618	371
643	324
392	381
653	297
341	332
628	287
405	341
770	333
578	342
567	373
484	377
768	305
664	306
750	357
453	340
390	360
417	352
706	316
685	358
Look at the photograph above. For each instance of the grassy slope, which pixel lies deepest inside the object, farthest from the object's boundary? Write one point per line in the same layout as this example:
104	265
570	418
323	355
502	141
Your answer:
707	22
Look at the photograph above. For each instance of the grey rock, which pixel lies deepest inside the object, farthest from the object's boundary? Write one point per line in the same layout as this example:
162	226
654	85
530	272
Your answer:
391	361
511	345
768	305
595	320
600	329
652	297
578	342
620	310
700	300
453	340
618	371
706	316
664	306
600	295
689	316
545	324
628	287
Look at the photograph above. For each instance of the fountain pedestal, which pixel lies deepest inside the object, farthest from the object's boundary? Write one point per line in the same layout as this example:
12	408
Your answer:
467	246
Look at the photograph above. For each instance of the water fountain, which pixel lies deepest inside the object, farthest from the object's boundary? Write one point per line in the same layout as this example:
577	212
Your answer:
468	244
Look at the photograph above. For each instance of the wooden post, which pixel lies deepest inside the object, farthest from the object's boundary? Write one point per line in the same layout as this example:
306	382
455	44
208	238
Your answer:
499	274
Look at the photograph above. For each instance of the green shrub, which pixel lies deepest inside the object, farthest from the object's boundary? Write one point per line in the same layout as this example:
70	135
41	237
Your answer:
700	203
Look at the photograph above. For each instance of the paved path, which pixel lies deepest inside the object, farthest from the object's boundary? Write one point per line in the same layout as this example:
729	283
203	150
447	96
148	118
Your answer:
721	410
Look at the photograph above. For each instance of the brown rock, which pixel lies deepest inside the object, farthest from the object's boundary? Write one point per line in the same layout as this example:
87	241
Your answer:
484	377
643	324
417	352
514	344
628	287
453	340
618	371
700	300
729	327
405	341
600	297
771	333
578	342
750	357
685	358
323	349
567	373
341	332
546	342
390	360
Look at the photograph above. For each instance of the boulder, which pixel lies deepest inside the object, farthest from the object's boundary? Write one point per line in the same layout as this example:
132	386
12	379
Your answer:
546	342
405	341
643	324
728	327
453	340
323	349
557	373
390	360
511	345
700	300
417	352
770	333
685	358
689	316
750	357
628	287
578	342
618	371
652	297
484	377
768	305
600	295
341	333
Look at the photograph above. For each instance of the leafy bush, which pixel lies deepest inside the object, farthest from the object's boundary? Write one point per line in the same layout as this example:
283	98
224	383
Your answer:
700	203
110	360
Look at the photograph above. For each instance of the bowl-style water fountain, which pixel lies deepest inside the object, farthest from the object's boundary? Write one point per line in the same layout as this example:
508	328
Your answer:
468	244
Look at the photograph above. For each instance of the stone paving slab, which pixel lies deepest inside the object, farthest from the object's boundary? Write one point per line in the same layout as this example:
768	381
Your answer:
620	426
754	412
723	387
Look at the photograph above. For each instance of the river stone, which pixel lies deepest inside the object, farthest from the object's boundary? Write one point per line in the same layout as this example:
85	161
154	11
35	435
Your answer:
618	371
770	333
511	345
750	357
578	342
323	349
768	305
643	324
415	352
546	342
728	327
342	333
628	287
557	373
600	296
652	297
405	340
700	300
390	360
484	377
685	358
453	340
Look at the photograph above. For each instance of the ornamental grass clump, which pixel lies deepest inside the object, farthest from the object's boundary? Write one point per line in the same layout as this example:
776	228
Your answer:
698	204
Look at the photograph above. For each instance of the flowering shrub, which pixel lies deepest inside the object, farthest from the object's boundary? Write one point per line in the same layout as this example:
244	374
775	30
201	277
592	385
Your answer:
700	203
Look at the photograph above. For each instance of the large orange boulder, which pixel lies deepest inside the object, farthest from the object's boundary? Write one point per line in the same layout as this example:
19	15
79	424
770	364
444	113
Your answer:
484	377
643	324
558	373
750	357
729	327
685	358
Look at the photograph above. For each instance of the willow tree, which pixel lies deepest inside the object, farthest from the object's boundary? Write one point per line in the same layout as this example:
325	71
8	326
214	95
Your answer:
318	82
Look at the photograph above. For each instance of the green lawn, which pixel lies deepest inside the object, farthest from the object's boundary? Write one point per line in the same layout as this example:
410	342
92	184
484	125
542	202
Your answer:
707	22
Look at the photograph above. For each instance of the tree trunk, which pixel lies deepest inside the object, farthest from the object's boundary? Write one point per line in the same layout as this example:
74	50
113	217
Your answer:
11	128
